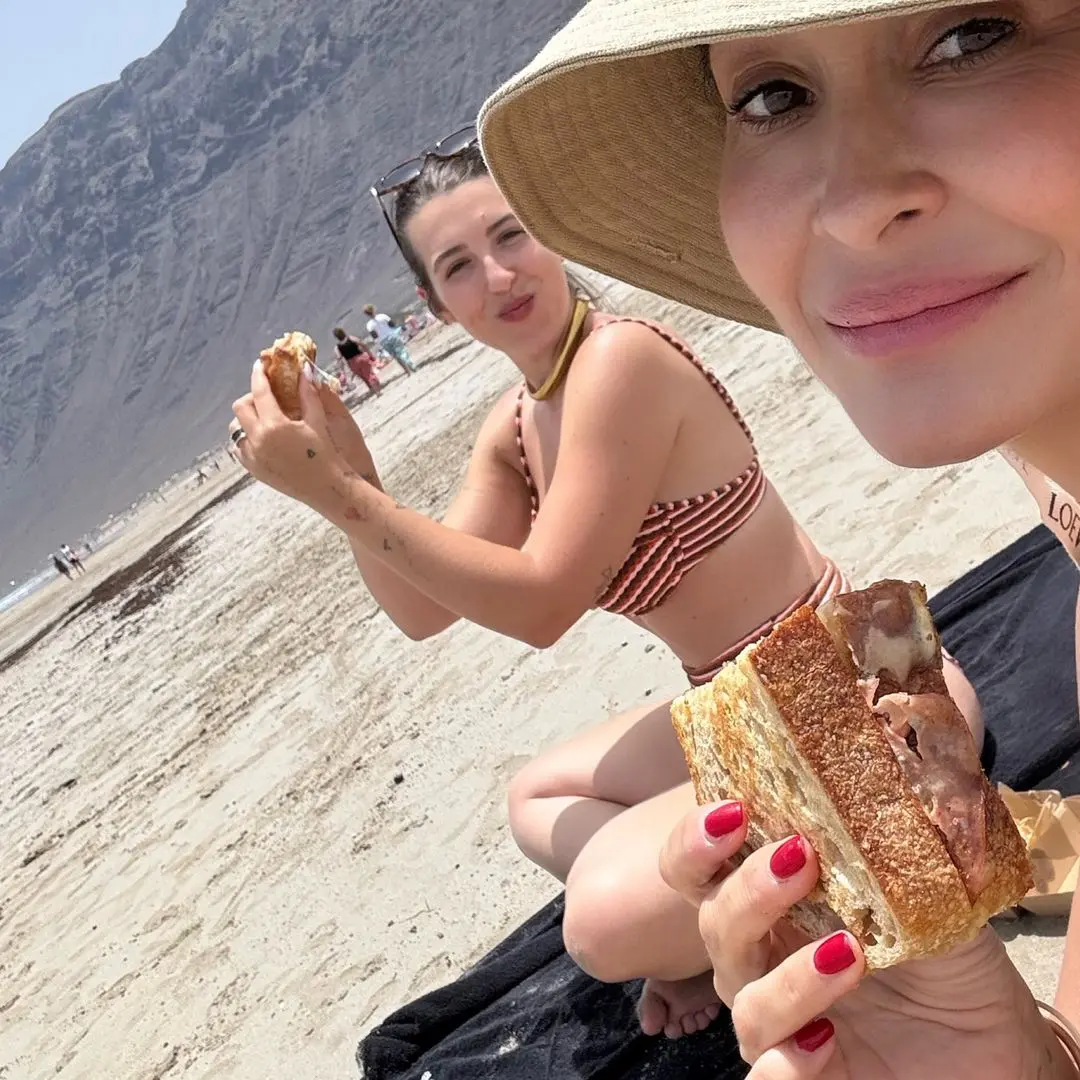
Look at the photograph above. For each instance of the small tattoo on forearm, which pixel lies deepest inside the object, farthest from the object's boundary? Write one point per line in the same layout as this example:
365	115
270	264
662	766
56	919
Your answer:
353	514
310	453
386	545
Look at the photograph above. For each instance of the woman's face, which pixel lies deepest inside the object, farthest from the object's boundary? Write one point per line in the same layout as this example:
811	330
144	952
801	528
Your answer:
904	195
489	274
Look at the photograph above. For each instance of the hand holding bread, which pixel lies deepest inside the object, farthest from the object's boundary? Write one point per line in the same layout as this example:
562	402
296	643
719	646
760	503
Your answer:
284	362
810	1009
839	726
286	439
844	801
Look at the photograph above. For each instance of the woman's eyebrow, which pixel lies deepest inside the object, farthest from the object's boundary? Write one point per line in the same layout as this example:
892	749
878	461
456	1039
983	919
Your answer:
457	249
501	222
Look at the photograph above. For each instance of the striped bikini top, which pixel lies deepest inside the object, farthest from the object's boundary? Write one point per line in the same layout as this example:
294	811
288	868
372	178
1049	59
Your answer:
675	536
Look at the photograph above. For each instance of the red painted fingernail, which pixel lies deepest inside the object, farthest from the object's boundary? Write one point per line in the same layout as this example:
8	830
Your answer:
724	820
834	955
815	1035
788	859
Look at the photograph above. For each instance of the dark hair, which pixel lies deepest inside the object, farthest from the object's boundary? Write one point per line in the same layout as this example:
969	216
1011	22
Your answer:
440	176
339	333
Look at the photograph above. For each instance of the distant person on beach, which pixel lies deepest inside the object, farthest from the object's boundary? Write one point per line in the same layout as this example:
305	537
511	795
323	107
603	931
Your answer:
388	338
358	358
72	559
618	474
61	566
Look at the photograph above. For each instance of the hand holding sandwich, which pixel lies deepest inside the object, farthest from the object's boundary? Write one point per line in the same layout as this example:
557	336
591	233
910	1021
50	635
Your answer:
298	456
964	1015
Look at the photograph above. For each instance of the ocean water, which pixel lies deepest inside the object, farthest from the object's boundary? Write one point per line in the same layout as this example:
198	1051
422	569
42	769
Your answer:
26	589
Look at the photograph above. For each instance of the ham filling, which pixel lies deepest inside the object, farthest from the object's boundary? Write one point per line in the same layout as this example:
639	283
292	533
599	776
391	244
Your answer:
938	759
889	640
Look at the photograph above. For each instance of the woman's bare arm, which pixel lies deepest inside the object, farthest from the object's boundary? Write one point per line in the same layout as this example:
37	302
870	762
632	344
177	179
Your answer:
617	436
492	504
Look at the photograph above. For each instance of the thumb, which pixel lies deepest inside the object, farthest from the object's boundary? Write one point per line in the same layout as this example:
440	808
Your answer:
312	411
332	404
803	1057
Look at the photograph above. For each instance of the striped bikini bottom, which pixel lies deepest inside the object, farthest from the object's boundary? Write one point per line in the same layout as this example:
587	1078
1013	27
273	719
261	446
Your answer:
831	583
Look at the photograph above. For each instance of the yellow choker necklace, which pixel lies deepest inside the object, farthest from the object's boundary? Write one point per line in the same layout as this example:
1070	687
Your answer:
566	353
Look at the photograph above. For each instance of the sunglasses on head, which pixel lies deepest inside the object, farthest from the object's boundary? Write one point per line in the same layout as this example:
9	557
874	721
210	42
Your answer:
401	176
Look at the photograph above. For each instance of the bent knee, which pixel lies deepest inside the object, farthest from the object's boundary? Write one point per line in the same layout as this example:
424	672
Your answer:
967	700
601	944
527	787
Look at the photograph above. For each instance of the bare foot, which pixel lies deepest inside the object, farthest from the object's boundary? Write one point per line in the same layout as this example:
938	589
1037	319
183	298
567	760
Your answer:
678	1008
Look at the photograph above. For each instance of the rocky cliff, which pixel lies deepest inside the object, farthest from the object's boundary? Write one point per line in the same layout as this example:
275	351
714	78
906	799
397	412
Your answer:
159	229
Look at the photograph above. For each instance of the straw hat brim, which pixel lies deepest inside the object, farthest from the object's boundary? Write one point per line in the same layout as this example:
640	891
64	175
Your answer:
609	144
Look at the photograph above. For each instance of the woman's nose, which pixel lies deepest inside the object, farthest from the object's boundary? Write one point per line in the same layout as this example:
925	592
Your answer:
499	277
875	185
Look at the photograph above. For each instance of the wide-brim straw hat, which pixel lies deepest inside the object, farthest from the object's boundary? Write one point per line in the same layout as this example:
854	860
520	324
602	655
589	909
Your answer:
609	144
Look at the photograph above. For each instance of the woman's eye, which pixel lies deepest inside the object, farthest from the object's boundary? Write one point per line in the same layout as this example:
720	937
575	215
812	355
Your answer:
772	99
511	235
454	267
970	38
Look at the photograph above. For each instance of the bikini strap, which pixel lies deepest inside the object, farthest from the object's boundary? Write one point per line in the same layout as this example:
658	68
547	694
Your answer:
534	493
690	355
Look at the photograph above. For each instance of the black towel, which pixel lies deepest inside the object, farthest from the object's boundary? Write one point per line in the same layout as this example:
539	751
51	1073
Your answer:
527	1012
1011	624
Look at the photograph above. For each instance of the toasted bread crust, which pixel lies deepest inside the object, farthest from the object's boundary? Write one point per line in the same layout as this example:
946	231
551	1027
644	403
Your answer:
1008	854
899	608
786	728
834	729
283	363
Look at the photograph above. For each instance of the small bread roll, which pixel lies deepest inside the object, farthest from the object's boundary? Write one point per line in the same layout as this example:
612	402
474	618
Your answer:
284	363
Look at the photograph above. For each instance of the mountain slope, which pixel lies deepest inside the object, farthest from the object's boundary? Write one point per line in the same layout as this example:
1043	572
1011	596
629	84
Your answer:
159	230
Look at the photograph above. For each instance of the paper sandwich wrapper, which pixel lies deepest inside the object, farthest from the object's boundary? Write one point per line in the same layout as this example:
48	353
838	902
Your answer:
1050	825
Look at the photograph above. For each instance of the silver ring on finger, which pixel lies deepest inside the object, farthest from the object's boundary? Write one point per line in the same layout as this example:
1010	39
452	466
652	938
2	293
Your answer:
237	436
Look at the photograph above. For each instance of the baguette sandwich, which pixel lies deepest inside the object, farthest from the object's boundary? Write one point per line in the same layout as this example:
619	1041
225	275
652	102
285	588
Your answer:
283	364
839	726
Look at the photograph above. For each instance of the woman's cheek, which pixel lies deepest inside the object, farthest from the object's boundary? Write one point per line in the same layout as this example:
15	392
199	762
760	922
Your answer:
764	237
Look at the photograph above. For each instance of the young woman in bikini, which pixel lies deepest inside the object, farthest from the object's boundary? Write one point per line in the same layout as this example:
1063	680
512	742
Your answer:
607	479
898	184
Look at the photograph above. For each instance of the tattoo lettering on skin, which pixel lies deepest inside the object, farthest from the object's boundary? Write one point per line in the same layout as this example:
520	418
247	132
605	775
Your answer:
353	514
310	453
386	545
370	478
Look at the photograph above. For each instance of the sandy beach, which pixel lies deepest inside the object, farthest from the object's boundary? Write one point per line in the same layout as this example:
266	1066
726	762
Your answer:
242	818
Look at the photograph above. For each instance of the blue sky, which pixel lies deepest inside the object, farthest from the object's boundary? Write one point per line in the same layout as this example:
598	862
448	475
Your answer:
55	49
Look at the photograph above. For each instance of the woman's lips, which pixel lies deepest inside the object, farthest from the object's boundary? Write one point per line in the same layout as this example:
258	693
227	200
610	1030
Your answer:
518	310
913	315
